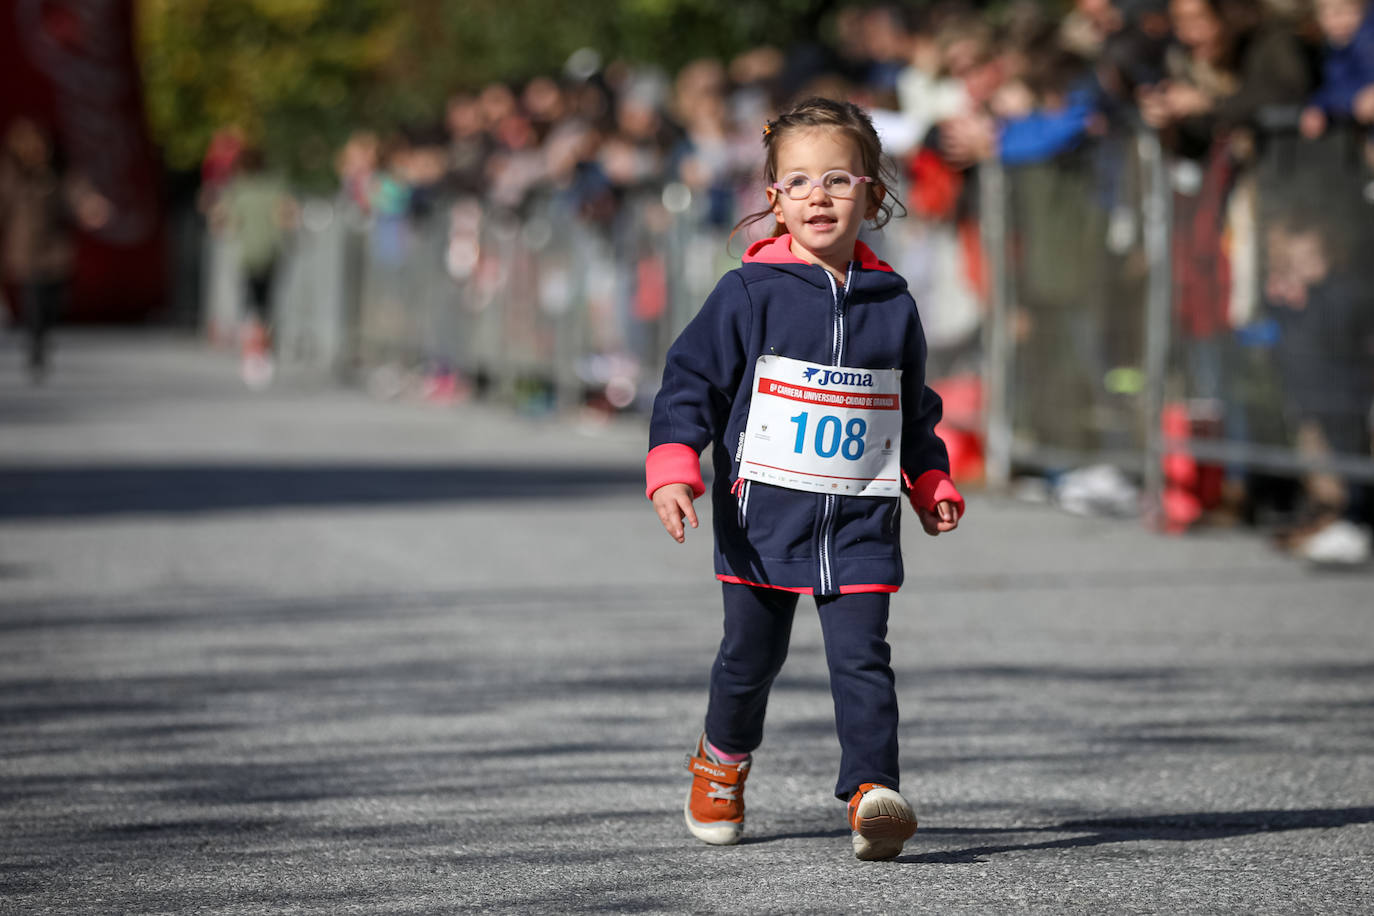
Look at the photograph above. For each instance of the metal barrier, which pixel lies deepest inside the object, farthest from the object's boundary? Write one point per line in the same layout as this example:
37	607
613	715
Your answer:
1066	336
1125	308
542	309
1271	367
1192	322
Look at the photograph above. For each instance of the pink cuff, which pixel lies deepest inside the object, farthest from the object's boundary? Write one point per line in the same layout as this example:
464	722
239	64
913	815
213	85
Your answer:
673	462
931	488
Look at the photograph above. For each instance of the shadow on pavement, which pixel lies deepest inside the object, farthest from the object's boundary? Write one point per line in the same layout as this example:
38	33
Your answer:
1204	825
1179	828
80	491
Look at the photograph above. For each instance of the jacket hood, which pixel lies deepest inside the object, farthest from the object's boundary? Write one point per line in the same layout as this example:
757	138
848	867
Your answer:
779	251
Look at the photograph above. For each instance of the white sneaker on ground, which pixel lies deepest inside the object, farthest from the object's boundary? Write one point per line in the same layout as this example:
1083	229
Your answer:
1340	543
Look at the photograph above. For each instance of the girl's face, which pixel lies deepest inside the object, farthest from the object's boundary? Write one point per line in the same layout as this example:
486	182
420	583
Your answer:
824	228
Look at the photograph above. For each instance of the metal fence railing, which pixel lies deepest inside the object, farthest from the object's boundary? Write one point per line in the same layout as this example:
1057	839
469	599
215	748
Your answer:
1077	261
1113	305
1199	323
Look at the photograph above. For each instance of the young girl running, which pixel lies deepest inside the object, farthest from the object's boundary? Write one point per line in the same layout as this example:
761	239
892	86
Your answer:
804	372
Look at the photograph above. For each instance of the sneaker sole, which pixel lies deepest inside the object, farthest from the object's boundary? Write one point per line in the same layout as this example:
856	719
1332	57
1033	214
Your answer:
884	826
719	833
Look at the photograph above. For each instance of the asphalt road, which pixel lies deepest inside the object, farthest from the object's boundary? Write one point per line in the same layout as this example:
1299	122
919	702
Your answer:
309	651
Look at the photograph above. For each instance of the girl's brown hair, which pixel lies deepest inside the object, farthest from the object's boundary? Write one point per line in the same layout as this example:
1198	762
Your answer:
856	124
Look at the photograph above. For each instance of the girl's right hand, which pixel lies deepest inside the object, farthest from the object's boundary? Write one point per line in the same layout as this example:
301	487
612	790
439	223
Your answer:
673	503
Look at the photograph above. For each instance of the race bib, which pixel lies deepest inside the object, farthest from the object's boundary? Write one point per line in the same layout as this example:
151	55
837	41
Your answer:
827	429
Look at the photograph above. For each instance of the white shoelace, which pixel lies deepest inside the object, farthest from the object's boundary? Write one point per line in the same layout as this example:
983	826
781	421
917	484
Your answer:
724	793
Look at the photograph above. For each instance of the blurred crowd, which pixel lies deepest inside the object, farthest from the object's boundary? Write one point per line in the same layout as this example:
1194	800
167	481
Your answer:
951	85
945	77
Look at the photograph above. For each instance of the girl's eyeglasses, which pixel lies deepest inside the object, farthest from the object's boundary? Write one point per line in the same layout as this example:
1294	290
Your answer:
836	183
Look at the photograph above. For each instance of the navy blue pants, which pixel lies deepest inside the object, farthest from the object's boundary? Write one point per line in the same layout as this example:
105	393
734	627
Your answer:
758	626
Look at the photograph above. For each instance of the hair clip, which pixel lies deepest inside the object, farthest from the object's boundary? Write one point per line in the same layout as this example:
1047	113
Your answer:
767	128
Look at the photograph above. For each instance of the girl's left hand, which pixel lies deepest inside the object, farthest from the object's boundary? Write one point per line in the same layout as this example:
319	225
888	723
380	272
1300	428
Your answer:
944	518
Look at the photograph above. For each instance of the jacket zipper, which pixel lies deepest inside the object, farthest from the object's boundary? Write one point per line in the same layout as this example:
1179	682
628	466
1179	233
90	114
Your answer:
830	500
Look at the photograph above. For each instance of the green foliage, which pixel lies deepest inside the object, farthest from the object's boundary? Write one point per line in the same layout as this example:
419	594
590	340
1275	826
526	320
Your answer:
298	75
286	72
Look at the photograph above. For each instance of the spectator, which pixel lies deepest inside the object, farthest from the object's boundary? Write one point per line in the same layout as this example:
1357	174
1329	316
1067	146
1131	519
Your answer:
1326	341
972	68
927	91
887	41
469	145
516	165
545	104
219	165
705	158
389	201
955	67
1347	75
257	210
1044	109
356	166
635	153
1065	104
426	170
42	206
1132	57
1230	62
1086	29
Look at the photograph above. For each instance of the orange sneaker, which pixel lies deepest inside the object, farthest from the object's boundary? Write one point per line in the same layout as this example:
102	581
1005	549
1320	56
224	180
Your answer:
881	822
715	803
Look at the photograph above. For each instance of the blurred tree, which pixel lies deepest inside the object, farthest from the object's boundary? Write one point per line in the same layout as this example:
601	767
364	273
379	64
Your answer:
298	75
287	73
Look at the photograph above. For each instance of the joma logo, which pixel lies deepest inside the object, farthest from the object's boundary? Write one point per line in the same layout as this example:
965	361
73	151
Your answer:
834	377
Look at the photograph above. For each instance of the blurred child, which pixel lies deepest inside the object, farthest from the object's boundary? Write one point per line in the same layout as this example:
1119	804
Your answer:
356	166
804	373
1325	358
1347	77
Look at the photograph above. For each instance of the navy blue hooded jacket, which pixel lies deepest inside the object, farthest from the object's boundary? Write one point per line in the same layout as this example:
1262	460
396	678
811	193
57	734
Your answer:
777	304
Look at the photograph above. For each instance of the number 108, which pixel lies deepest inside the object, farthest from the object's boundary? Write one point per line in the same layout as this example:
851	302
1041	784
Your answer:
828	440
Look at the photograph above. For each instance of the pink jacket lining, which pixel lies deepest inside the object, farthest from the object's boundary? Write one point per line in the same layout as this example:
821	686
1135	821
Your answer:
778	250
